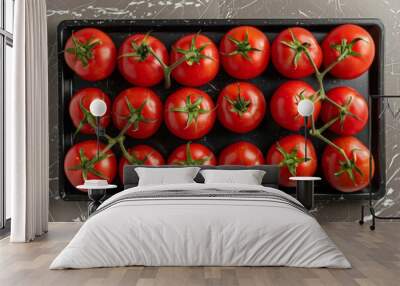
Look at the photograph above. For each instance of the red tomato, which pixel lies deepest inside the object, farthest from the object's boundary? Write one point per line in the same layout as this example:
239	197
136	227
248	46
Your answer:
80	163
244	52
289	154
202	60
140	155
91	54
192	154
352	43
137	65
241	153
141	108
284	104
353	102
348	177
241	107
189	113
289	56
79	110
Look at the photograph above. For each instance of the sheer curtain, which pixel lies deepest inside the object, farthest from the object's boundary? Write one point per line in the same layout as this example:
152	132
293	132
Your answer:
27	124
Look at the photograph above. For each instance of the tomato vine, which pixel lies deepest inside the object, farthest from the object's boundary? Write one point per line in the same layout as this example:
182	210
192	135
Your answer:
345	50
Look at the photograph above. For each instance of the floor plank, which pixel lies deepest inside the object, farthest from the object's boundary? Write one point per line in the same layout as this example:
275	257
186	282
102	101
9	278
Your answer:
375	257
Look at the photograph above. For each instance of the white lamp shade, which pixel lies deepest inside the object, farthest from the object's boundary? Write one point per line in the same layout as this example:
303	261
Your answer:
98	107
305	107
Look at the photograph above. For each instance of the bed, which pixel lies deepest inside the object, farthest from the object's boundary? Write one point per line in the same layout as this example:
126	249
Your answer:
201	224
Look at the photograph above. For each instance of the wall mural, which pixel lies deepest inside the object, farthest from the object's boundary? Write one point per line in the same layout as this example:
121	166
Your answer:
207	93
343	209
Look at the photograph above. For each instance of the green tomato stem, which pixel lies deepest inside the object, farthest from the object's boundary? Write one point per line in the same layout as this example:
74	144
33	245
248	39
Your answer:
328	124
168	69
322	95
124	151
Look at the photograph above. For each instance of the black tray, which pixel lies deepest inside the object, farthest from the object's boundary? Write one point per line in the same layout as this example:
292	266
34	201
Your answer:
168	31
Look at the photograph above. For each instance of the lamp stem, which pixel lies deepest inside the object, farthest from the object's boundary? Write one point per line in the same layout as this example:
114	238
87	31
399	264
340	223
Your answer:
97	136
305	139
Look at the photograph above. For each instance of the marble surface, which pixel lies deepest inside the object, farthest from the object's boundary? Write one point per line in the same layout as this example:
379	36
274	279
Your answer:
386	10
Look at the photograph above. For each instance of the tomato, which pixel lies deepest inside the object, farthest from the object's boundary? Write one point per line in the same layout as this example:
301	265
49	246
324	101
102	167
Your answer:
136	63
289	53
352	176
80	113
241	153
81	163
141	108
192	154
289	153
353	102
200	60
284	103
352	43
244	52
91	54
241	107
140	155
189	113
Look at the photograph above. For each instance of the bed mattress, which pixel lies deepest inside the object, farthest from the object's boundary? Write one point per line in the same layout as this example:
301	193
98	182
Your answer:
201	225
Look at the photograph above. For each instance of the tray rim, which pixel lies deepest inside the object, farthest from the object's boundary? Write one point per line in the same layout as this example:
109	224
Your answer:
229	22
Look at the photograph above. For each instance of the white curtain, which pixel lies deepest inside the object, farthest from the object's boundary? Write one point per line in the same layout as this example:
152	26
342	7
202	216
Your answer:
27	124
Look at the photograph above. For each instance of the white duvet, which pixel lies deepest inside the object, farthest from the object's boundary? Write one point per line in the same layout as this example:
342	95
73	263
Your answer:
190	231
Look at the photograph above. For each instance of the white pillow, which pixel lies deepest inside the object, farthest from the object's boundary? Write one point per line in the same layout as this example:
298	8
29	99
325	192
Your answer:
248	177
164	176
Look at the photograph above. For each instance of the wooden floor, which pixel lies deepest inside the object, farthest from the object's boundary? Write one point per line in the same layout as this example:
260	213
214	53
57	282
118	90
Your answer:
375	257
